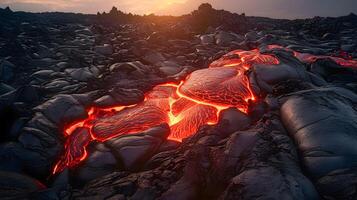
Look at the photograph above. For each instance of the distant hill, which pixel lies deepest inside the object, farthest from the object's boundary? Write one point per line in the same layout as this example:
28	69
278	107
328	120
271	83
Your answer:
199	20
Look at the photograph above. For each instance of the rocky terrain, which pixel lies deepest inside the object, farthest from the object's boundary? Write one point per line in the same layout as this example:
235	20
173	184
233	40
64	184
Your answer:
296	141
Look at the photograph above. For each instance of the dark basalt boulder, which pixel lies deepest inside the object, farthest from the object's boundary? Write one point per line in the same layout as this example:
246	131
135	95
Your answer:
81	74
17	186
33	161
62	109
7	70
323	124
134	150
234	120
28	94
333	72
206	16
263	77
4	88
99	163
259	162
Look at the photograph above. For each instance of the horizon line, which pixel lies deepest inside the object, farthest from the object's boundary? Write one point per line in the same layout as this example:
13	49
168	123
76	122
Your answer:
168	15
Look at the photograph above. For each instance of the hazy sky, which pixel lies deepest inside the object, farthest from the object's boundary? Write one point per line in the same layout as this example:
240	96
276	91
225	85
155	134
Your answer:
268	8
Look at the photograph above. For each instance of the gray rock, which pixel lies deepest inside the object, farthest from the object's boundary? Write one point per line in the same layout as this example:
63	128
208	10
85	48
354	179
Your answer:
47	194
168	64
41	149
135	150
207	163
4	88
279	174
170	71
251	36
329	36
317	80
95	70
265	76
273	74
9	159
224	38
44	52
81	74
62	109
169	68
35	139
180	44
43	63
127	96
62	65
57	85
6	70
323	123
85	31
98	163
40	122
117	197
324	68
348	47
181	60
169	145
135	68
14	157
207	39
27	94
61	182
21	186
153	57
105	101
106	49
43	74
235	119
272	102
257	183
16	128
120	96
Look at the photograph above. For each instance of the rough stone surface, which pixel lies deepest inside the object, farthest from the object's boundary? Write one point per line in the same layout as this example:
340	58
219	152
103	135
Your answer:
323	125
134	151
106	49
21	186
62	108
295	141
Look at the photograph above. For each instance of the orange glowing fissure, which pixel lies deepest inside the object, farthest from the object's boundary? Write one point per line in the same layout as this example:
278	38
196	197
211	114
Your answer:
196	101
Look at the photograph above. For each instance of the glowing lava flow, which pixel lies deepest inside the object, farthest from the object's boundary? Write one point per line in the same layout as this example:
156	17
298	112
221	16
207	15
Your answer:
196	101
309	58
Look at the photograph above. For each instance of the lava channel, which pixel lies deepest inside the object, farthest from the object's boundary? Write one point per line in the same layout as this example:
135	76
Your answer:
196	101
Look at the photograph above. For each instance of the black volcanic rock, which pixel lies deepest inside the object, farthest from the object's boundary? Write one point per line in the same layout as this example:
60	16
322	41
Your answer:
134	151
100	162
6	71
206	17
209	165
296	140
235	120
62	109
323	123
21	186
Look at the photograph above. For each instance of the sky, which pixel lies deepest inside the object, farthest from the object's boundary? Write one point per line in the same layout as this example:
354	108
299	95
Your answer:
267	8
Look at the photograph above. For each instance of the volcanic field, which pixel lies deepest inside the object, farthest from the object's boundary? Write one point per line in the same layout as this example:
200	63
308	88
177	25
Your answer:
209	105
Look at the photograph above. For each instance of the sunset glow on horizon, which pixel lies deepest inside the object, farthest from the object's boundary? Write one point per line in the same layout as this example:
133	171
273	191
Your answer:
267	8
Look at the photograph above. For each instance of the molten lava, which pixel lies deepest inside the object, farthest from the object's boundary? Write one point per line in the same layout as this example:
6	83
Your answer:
309	58
196	101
